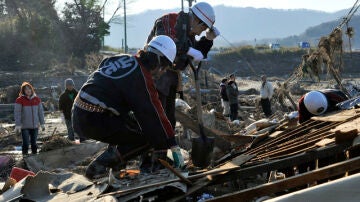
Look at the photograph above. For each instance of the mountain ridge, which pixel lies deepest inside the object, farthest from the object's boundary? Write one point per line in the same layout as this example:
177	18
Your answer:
239	25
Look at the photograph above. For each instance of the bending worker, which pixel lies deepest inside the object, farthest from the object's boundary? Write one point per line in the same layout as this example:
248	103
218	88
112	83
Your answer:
123	84
316	103
182	28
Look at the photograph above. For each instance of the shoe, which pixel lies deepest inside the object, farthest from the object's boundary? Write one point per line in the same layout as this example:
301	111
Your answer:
110	158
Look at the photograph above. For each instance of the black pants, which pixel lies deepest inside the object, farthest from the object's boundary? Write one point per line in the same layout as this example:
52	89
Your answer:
26	135
234	111
266	106
115	130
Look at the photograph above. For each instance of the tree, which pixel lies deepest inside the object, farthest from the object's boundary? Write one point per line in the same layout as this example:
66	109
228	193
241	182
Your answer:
84	27
30	34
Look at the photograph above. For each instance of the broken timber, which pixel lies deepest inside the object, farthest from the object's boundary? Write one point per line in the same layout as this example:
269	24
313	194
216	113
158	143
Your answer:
233	165
292	182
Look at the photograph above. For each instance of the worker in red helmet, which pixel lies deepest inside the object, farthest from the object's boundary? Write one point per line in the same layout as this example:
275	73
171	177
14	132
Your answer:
182	28
316	103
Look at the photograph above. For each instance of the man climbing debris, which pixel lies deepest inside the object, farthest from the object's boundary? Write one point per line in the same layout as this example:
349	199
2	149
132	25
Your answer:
316	103
119	105
182	28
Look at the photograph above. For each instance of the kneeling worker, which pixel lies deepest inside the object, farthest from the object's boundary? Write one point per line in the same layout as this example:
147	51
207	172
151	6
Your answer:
123	85
315	103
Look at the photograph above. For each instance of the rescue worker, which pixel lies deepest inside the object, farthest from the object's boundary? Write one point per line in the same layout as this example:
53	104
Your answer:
232	91
182	28
224	97
122	88
315	103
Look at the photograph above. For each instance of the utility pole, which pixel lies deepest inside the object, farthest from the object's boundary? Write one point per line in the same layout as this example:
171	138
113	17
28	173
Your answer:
182	5
190	2
125	33
103	38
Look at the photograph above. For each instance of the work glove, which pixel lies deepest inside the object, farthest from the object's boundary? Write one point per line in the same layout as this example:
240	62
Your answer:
177	156
17	129
212	33
196	54
42	128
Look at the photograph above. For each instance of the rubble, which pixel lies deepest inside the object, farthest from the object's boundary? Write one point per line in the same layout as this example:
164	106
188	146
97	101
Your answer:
246	150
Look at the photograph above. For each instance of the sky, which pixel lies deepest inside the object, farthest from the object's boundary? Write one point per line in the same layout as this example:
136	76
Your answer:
137	6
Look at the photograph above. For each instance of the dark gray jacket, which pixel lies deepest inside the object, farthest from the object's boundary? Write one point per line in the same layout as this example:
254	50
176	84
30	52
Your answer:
232	92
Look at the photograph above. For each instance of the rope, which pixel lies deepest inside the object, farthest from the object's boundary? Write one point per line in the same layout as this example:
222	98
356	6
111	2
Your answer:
351	13
241	57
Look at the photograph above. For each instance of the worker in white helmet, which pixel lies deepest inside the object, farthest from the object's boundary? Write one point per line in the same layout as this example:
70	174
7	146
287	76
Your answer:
119	105
183	27
316	103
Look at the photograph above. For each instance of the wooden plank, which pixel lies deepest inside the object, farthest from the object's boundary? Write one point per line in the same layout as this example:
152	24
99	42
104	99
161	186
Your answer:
348	126
275	134
337	116
291	182
284	163
238	139
240	160
324	142
205	181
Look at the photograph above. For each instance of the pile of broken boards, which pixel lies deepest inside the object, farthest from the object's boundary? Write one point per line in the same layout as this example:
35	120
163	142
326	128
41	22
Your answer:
277	158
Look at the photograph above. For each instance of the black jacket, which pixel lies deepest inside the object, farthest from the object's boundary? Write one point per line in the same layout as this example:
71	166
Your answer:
223	93
124	84
66	102
232	92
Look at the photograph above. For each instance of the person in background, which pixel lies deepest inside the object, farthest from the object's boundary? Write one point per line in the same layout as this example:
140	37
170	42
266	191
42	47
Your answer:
182	28
316	103
266	93
66	101
232	93
119	105
224	97
29	115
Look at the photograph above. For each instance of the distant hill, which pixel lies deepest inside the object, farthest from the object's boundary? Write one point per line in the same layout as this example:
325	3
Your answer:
236	24
314	33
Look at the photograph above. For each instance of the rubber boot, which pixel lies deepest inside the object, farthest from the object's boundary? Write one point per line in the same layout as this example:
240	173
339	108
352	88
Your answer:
110	158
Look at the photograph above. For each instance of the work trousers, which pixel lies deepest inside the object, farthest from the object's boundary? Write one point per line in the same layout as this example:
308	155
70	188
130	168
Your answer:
29	134
234	111
121	131
266	106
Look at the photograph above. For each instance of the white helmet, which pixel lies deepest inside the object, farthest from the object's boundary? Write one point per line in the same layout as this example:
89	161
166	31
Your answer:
315	102
204	12
164	46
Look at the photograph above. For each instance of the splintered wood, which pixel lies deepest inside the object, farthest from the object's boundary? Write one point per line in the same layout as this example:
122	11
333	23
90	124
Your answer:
337	116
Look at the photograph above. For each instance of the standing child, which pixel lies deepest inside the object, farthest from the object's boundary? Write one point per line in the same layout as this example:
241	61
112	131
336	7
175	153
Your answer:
66	101
29	115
